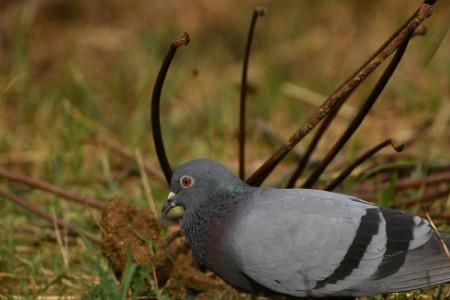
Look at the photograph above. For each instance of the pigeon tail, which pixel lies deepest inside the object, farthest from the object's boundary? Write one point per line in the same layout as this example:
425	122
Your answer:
425	266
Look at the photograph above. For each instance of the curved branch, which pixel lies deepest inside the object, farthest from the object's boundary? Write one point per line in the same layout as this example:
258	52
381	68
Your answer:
424	11
257	12
182	40
359	118
341	177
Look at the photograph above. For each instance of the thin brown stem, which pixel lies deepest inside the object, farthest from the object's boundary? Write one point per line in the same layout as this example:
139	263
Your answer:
425	198
182	40
428	180
397	147
257	12
45	186
48	217
360	116
376	180
424	11
303	162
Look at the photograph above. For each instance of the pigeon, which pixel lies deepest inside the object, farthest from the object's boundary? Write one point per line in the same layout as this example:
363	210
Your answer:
301	242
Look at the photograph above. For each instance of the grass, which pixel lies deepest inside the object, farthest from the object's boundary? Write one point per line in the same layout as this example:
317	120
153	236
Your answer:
71	71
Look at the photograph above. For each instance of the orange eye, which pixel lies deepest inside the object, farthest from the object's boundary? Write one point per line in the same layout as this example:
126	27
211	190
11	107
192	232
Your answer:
186	181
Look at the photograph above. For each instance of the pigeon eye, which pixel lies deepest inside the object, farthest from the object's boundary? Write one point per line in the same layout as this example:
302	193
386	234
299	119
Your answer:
187	181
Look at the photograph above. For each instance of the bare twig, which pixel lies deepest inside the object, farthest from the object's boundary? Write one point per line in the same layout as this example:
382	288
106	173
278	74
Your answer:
257	12
45	186
359	118
48	217
346	88
303	162
425	198
182	40
397	147
427	180
369	185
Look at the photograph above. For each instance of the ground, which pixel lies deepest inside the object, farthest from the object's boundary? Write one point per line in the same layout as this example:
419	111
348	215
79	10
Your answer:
73	72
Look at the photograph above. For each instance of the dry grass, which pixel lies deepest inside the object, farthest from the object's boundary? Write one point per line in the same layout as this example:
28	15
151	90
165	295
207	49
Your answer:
73	71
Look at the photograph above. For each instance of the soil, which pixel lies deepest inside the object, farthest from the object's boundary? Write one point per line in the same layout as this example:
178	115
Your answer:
127	230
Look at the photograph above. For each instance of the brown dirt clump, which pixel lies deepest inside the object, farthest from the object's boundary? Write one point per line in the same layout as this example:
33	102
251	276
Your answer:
127	230
186	276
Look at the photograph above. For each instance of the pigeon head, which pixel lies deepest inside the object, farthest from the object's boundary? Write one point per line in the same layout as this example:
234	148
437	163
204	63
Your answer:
195	181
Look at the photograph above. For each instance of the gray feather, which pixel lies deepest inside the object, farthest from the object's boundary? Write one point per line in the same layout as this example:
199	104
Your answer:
289	240
303	242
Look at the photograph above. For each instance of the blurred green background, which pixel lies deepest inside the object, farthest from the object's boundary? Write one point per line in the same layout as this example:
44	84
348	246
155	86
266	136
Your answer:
73	71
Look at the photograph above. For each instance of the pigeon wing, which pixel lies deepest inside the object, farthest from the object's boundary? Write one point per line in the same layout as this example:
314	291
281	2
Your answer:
316	243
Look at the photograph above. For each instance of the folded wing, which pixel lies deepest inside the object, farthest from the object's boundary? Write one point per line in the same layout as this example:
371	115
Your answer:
316	243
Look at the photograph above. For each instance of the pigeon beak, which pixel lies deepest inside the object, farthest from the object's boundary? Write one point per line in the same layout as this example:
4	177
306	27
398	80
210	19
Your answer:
170	203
